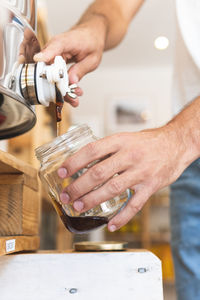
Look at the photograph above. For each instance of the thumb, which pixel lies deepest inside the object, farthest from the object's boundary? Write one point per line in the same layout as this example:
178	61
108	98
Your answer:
88	64
48	53
133	206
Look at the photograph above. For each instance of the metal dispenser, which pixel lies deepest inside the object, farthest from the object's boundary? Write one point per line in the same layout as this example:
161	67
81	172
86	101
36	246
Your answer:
24	83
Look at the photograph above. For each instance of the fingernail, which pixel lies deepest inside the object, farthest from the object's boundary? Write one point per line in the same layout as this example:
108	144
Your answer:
21	59
79	91
112	228
62	172
39	56
78	205
64	197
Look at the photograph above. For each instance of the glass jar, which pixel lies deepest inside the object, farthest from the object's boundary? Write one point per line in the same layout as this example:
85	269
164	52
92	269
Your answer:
51	157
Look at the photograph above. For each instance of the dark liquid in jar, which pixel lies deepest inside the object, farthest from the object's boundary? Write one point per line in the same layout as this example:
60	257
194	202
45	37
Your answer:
82	224
79	224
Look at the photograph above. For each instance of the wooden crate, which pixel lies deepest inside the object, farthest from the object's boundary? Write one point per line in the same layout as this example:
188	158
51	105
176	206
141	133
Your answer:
19	205
134	274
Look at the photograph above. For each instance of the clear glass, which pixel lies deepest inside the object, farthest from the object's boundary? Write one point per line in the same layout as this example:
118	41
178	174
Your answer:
51	157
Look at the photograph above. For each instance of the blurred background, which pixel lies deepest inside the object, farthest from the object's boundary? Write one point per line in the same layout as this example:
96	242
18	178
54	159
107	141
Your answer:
136	72
130	91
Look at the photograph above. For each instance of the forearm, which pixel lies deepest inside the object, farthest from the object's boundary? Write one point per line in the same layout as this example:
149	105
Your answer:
185	128
113	17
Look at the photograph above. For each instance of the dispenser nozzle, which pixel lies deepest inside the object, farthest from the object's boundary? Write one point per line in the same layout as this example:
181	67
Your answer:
38	81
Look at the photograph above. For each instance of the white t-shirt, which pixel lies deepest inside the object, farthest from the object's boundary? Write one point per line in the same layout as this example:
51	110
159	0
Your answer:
186	80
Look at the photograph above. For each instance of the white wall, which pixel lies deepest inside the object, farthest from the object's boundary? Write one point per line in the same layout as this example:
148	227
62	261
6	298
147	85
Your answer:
104	84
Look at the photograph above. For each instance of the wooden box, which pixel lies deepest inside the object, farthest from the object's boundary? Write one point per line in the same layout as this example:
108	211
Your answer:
19	205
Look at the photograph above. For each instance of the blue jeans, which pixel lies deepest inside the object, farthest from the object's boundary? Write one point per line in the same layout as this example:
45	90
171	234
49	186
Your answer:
185	228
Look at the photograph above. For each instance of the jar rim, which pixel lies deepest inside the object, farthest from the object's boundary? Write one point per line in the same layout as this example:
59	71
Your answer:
68	137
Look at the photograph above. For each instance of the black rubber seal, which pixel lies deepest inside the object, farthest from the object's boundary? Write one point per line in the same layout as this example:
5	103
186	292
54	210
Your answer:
35	83
20	86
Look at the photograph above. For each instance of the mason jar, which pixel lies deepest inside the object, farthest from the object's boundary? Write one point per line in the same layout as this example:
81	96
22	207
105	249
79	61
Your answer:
51	157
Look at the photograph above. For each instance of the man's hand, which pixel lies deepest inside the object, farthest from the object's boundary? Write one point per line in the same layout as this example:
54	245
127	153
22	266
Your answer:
145	161
81	46
102	26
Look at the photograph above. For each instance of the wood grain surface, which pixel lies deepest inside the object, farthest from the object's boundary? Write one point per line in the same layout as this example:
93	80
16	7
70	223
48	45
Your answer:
19	205
11	165
11	198
18	243
31	211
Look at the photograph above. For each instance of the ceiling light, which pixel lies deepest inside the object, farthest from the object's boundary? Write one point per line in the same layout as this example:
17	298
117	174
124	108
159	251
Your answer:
161	43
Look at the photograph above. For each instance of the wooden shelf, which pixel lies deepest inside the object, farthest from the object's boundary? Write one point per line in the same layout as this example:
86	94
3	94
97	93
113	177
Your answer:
19	205
11	244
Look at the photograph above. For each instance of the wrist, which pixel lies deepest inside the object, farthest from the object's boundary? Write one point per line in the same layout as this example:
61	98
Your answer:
186	148
97	23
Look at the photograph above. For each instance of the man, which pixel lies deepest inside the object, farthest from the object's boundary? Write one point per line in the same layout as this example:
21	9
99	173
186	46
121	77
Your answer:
149	160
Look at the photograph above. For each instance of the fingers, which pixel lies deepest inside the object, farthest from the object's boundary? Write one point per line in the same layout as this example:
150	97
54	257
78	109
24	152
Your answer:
89	153
52	49
84	66
21	59
79	91
97	175
85	63
73	78
47	55
115	187
132	208
74	102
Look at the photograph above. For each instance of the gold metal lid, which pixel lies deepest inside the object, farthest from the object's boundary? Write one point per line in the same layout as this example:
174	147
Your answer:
100	246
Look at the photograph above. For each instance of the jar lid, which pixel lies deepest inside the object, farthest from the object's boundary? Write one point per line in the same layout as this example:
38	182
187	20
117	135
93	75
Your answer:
100	246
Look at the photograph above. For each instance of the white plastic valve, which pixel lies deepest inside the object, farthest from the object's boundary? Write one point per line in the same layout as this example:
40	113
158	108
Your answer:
57	73
49	75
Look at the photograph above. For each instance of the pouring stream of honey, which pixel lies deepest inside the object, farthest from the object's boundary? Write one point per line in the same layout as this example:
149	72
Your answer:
59	106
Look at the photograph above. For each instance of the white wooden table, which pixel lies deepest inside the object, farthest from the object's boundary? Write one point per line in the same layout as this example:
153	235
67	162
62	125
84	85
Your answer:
126	275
